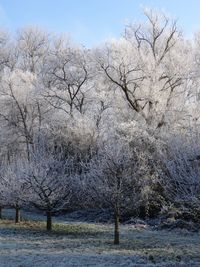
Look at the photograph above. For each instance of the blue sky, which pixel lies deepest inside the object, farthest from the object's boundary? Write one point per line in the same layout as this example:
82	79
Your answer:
90	22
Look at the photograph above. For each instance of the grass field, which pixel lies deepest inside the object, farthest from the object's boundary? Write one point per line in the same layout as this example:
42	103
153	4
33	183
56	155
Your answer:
84	244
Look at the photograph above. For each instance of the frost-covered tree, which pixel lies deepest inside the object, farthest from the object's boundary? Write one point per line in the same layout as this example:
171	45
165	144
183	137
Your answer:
21	108
180	170
49	181
149	67
5	50
111	180
66	77
32	49
13	191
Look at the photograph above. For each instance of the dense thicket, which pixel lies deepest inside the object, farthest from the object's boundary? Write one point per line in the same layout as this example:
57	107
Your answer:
114	127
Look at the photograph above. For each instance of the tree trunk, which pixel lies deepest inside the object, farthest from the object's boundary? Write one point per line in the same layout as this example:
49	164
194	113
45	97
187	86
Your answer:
49	221
0	212
17	214
116	234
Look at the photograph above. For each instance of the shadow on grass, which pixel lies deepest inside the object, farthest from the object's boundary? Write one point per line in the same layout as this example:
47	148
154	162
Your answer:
8	228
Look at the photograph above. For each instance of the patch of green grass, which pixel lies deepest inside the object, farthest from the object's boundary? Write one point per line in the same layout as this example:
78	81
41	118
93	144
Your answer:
57	228
31	225
76	229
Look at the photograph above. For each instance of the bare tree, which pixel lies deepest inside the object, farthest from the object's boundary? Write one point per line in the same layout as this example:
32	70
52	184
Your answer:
32	48
67	77
111	180
13	191
22	111
147	66
49	181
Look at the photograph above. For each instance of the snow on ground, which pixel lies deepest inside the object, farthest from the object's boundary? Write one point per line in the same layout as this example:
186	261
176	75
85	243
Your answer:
84	244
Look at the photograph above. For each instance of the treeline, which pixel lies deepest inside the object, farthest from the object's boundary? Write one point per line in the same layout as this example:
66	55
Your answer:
114	127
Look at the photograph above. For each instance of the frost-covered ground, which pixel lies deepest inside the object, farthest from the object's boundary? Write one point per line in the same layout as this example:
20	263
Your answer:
86	244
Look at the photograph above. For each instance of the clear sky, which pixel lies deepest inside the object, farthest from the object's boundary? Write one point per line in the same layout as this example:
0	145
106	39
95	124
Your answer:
90	22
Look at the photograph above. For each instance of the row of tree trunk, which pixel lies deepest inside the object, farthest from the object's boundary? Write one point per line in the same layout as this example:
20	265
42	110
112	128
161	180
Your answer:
17	214
49	222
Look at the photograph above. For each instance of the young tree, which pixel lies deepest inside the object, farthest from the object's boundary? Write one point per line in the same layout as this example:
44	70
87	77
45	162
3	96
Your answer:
13	191
49	180
111	180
